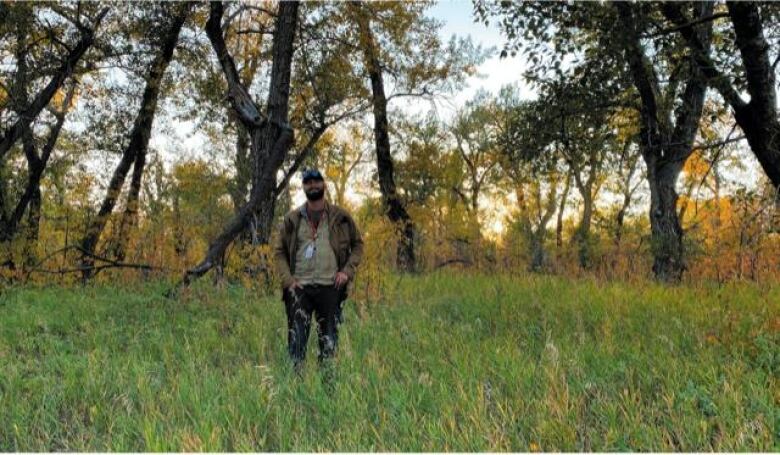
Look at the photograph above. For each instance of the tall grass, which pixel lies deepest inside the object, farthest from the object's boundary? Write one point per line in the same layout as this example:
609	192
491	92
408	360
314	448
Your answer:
442	362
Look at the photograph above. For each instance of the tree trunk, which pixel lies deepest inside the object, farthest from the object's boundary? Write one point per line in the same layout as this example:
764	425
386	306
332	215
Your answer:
396	212
36	164
265	220
664	147
628	192
242	162
667	233
139	140
620	220
538	233
537	250
130	214
583	230
561	208
33	228
22	124
762	132
270	137
759	123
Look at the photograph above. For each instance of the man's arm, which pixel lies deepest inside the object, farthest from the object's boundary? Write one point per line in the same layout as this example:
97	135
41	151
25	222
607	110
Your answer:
356	247
281	259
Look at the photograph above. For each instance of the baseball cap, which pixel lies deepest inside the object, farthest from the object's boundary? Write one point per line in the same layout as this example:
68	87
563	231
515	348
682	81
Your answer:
311	174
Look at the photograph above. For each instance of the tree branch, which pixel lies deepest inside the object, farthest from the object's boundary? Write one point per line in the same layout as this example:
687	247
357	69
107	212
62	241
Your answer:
26	117
301	157
700	53
248	112
688	24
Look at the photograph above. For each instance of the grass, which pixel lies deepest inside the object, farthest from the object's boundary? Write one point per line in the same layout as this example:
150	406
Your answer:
444	362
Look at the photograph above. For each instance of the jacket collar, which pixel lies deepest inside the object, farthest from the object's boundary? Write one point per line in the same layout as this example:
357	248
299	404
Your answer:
303	213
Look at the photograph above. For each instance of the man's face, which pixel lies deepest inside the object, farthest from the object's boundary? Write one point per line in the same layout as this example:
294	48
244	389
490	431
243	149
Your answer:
314	189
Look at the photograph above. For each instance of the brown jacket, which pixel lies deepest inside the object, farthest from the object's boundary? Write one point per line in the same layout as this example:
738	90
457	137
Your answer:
345	240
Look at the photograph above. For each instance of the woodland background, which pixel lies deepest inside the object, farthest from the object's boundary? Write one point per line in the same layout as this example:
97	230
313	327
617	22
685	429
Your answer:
586	259
638	155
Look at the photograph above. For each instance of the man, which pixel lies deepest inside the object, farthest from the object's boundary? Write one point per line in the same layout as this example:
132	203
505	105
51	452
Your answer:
317	252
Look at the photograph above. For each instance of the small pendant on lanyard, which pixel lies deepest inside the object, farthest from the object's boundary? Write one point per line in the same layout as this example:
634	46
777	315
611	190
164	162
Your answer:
308	253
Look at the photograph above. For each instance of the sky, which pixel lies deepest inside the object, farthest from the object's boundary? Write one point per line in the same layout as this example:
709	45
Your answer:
459	20
494	73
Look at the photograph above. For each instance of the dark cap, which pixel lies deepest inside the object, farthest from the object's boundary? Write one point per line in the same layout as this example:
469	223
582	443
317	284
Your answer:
311	174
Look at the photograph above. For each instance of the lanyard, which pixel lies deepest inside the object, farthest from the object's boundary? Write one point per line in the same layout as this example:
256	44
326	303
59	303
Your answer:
313	228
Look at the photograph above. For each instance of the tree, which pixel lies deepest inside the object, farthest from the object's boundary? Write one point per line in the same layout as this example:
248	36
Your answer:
665	146
135	152
531	160
66	67
610	38
35	96
394	208
583	132
396	40
758	117
270	135
474	135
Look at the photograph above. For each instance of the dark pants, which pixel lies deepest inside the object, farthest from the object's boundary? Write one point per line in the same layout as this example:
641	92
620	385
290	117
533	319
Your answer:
321	301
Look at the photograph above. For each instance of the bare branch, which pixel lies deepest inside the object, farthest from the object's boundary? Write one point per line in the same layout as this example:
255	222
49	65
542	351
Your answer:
258	31
301	157
681	26
248	112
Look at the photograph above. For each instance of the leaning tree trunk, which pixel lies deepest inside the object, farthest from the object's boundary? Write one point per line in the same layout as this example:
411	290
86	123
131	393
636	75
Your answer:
23	123
37	165
758	119
30	199
394	207
139	140
130	214
762	132
270	136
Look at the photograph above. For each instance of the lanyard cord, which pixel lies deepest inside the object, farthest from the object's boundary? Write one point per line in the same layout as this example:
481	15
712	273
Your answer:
314	228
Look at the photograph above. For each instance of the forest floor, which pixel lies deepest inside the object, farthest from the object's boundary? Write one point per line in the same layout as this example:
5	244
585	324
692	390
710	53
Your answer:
444	362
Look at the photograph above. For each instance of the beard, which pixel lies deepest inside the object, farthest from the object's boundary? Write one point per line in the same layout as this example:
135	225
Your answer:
315	195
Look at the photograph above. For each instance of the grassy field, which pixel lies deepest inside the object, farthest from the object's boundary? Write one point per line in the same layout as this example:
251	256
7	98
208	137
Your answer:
444	362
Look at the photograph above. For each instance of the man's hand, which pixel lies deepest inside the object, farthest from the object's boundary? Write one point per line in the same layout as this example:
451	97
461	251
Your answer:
341	279
294	286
